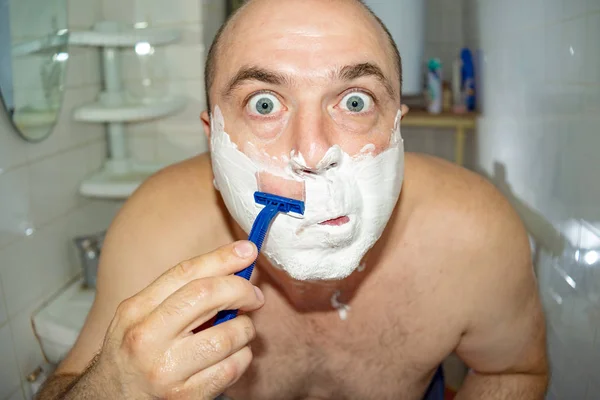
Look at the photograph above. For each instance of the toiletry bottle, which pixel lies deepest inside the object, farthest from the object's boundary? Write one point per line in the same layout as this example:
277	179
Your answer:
446	97
468	79
434	86
458	103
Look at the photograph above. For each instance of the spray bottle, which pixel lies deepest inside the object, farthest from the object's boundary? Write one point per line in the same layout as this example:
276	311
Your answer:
434	86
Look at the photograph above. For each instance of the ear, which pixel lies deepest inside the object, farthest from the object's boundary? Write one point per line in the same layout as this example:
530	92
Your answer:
205	123
404	110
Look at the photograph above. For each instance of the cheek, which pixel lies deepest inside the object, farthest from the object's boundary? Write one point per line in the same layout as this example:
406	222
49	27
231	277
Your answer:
265	130
372	144
246	127
356	135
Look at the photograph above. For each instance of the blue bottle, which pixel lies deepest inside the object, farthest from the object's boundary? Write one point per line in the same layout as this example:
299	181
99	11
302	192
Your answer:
468	79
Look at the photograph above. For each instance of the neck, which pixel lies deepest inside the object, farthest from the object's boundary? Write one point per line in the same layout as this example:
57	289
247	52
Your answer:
307	296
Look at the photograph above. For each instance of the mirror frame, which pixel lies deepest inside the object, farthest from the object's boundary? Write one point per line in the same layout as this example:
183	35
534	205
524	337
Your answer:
10	114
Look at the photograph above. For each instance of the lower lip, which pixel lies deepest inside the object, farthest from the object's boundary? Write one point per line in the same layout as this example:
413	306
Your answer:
336	221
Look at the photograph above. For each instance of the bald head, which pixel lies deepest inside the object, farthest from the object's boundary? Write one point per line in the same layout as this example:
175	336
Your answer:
253	10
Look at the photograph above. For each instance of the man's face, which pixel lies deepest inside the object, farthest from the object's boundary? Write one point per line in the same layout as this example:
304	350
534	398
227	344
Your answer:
303	76
306	100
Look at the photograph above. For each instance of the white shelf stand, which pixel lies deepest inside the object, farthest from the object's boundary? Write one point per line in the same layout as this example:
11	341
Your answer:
120	175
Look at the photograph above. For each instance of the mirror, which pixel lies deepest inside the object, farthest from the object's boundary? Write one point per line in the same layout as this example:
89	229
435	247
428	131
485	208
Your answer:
33	60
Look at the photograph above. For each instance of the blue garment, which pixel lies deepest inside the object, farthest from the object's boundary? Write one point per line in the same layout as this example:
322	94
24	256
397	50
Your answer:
436	388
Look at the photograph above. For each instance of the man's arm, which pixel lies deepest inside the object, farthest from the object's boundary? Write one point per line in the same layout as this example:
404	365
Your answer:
505	341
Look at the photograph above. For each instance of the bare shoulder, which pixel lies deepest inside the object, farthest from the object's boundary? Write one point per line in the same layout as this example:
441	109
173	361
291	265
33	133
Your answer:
174	215
469	234
484	254
485	257
462	209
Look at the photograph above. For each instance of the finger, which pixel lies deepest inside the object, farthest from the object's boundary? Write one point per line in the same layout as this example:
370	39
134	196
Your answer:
198	301
214	380
195	353
225	260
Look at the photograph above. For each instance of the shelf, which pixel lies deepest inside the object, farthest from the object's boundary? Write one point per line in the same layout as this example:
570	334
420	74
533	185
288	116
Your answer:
108	184
48	44
127	38
421	118
129	112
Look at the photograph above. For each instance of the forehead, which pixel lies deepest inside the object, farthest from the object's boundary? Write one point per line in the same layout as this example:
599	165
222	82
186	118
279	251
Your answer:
302	38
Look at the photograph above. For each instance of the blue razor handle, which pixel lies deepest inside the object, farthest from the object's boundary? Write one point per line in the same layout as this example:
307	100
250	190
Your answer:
273	205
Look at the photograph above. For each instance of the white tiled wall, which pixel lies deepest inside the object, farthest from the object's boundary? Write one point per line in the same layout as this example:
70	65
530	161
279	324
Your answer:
40	210
444	38
539	141
176	69
444	32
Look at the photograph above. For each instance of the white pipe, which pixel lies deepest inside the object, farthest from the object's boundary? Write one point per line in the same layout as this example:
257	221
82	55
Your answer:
112	96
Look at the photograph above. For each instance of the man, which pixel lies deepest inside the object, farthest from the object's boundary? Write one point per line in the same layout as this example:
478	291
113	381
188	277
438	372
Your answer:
362	303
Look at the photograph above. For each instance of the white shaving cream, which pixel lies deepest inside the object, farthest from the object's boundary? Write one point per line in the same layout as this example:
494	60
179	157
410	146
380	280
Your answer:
364	187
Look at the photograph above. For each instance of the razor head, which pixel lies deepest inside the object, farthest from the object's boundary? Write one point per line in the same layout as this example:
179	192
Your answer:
283	204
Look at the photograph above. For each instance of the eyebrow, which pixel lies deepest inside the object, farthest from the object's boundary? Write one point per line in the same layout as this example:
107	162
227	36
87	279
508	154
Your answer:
346	73
351	72
258	74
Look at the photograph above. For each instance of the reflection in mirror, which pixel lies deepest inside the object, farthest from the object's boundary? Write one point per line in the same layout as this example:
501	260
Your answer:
33	58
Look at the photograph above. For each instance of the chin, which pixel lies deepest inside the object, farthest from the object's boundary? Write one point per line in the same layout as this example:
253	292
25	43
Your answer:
324	264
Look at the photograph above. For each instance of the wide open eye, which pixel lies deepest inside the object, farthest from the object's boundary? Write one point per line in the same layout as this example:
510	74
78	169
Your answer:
357	102
264	104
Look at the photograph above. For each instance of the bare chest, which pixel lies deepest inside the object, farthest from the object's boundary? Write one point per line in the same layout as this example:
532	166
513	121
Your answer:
388	348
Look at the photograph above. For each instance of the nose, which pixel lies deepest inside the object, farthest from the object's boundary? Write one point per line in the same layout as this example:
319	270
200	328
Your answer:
313	143
331	159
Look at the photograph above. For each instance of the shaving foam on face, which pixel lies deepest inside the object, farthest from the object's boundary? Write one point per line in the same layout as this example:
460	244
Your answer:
365	188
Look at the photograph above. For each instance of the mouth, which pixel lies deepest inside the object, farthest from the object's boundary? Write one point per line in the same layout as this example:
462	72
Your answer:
336	221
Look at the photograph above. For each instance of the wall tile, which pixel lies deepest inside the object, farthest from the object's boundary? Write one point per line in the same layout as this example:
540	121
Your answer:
162	11
434	20
574	8
51	145
34	268
533	12
55	182
122	11
17	395
27	348
9	372
554	53
573	41
3	312
33	19
143	147
553	11
82	14
591	55
176	147
92	218
174	62
12	147
96	155
15	217
83	67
